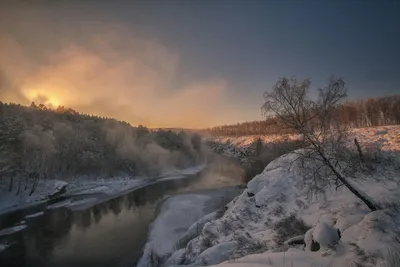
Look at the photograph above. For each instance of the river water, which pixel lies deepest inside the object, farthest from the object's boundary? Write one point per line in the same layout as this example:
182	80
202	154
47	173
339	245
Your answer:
112	233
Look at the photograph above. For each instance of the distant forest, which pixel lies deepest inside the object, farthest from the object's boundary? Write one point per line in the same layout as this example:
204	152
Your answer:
37	142
357	114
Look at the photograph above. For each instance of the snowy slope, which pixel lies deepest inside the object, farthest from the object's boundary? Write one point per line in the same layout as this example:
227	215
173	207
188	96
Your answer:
388	137
276	206
242	147
178	213
181	218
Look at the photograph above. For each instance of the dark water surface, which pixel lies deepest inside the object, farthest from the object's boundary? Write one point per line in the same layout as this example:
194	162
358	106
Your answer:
111	233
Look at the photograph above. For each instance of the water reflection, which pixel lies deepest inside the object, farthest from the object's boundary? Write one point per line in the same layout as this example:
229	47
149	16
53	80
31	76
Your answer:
111	233
62	237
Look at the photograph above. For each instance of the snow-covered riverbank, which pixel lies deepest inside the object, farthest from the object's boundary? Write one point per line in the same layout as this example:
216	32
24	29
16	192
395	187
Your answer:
84	218
181	218
99	188
276	213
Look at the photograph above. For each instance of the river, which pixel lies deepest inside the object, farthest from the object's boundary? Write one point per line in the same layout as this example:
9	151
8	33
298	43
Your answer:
111	233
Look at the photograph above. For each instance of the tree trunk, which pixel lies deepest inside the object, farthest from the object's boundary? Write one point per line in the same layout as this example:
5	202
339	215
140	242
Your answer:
19	184
360	154
26	184
33	186
11	184
372	206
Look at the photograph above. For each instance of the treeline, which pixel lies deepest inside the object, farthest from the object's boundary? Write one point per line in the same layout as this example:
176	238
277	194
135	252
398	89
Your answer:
357	114
40	143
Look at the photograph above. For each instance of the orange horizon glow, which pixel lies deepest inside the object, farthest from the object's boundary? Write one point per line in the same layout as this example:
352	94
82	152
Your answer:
42	97
135	84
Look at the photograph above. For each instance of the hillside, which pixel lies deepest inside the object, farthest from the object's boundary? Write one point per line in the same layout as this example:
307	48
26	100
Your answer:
242	147
41	150
277	212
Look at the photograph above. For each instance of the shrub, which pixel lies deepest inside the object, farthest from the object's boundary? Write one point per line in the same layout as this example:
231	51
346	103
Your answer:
289	227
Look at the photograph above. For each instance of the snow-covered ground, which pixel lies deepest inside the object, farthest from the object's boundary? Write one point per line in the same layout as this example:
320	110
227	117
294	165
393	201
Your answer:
291	258
242	146
10	200
387	137
177	215
181	218
276	213
83	186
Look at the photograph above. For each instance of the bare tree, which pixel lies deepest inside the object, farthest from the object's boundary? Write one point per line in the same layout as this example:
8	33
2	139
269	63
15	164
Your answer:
318	121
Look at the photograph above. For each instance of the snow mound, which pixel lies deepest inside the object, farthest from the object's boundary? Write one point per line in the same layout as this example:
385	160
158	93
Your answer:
195	229
217	254
325	235
291	258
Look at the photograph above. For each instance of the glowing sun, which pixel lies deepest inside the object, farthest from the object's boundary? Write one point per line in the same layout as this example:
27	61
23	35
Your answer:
42	97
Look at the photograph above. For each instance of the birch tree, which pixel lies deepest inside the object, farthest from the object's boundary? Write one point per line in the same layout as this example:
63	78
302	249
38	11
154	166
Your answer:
318	121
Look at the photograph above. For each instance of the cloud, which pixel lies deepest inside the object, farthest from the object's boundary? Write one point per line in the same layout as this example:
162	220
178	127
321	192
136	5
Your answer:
111	73
13	68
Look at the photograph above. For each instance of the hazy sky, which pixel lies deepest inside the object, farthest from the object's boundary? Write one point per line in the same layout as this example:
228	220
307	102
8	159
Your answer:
191	63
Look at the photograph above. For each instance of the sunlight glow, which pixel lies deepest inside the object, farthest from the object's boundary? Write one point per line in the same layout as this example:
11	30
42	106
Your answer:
42	96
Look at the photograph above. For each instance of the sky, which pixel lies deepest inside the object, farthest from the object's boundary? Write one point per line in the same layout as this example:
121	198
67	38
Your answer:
191	63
